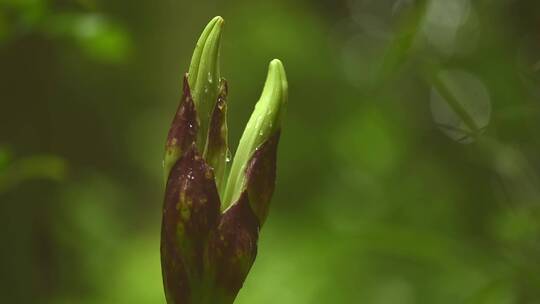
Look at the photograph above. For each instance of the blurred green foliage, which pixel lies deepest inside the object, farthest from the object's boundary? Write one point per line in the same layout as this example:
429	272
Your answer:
378	199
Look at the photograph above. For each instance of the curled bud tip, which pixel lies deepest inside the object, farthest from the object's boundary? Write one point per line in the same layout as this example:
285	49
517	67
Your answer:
204	75
263	124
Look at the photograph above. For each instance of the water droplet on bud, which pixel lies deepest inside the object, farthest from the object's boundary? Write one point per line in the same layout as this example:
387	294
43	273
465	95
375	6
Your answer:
221	105
228	157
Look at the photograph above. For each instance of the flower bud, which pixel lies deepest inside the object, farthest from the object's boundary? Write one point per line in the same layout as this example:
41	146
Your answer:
204	85
208	242
204	75
262	129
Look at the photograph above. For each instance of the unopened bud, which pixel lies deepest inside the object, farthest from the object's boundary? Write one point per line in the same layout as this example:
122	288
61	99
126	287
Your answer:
208	241
263	126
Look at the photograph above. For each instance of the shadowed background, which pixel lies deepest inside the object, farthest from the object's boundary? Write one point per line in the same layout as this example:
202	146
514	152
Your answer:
408	164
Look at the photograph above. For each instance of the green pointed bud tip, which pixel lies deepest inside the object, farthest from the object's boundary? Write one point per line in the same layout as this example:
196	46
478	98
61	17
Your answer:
263	124
204	75
273	97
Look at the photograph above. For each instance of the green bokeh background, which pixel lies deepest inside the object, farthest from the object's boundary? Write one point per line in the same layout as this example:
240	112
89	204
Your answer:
378	201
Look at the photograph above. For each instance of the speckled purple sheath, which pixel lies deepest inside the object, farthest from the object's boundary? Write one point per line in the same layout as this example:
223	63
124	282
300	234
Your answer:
203	249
